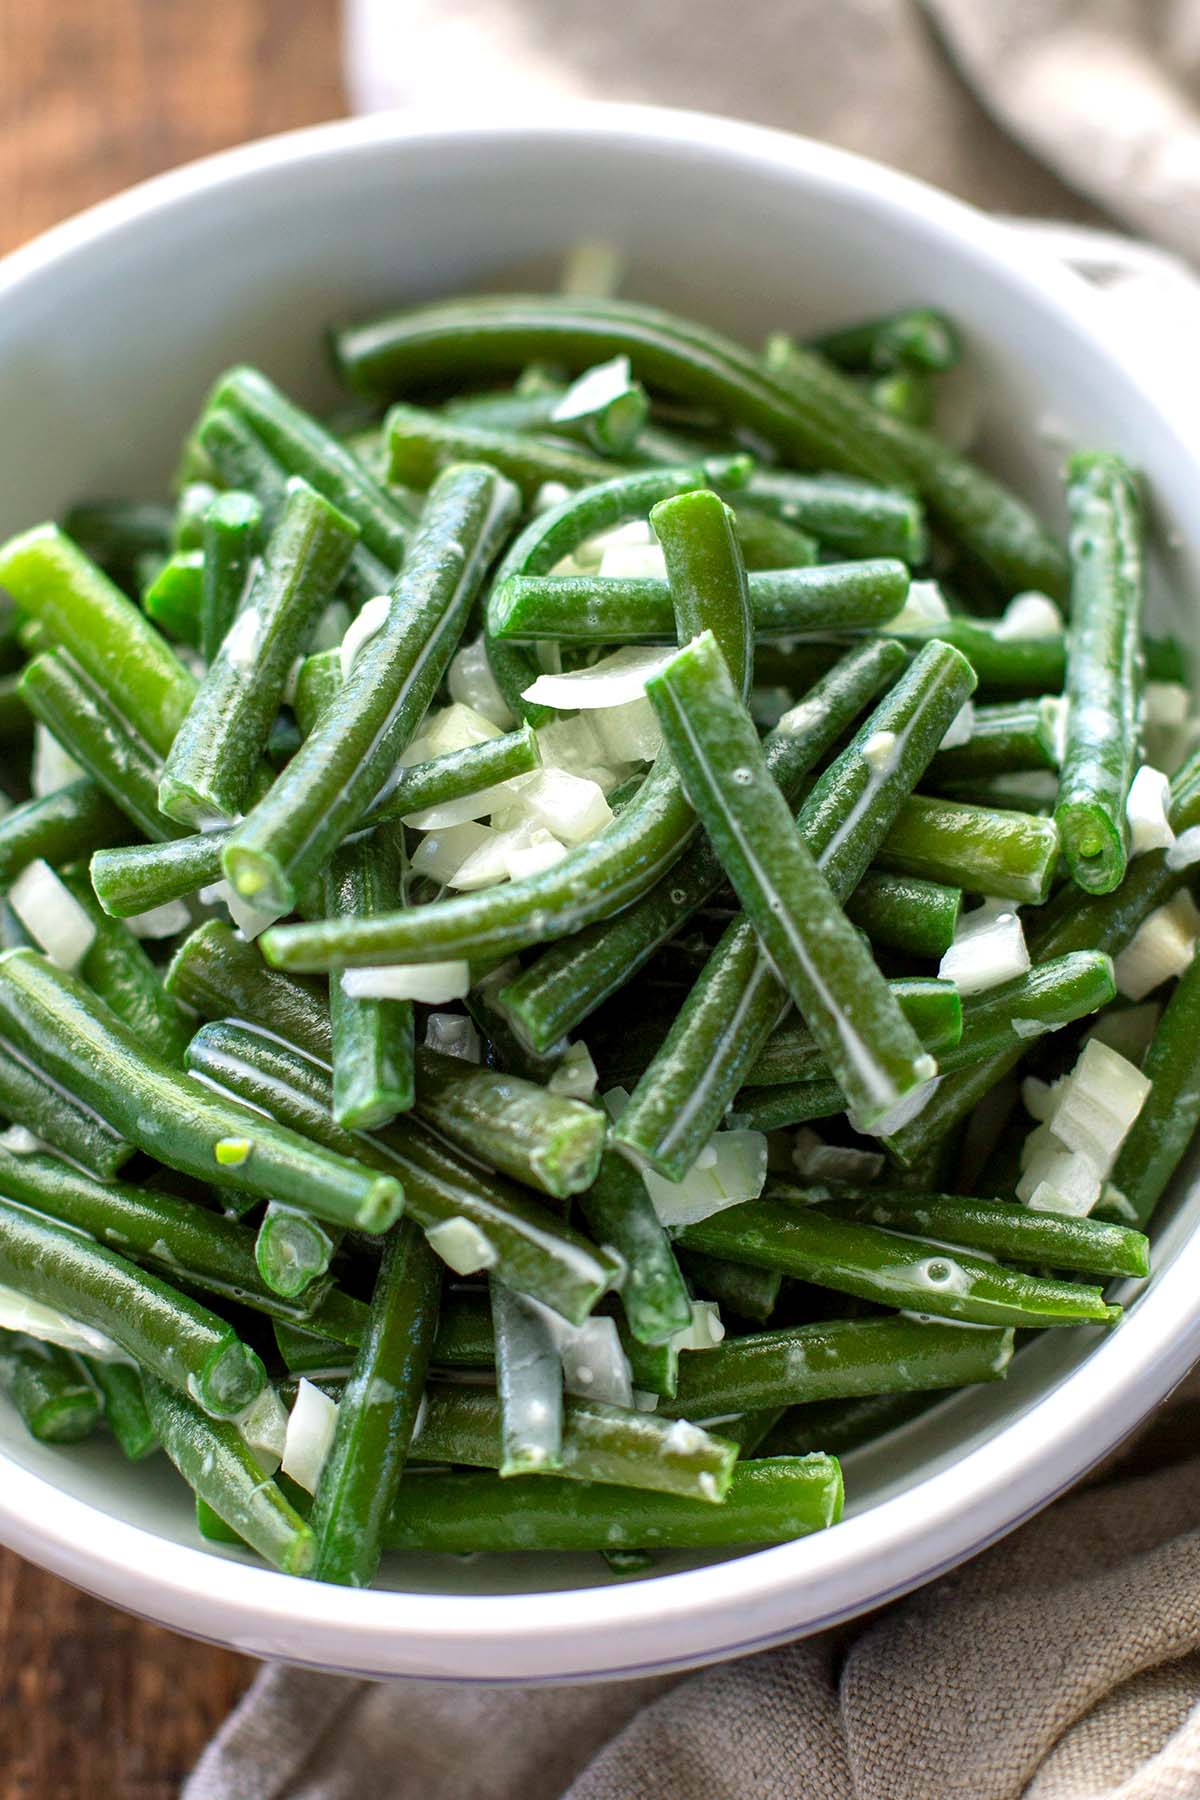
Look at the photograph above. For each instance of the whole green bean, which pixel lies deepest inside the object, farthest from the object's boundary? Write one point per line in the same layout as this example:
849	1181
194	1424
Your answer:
768	1502
125	1411
377	1412
767	542
213	1459
902	912
161	1328
343	765
1164	1127
1104	670
371	1040
208	774
593	609
837	1359
909	1272
80	1043
842	1424
221	976
1008	855
230	535
56	1402
619	1214
998	1227
529	1385
421	444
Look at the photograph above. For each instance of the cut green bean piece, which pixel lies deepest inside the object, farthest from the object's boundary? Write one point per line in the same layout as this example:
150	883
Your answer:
1013	736
529	1386
136	877
568	981
906	394
459	775
52	581
125	1411
843	1425
912	1273
603	874
919	338
52	1111
377	1412
159	1327
87	724
230	534
342	767
372	1040
853	517
550	1142
213	1459
999	1227
593	609
117	968
750	1293
172	600
421	445
221	976
318	682
77	1041
1104	670
933	1009
118	534
599	1443
768	1502
836	1360
1165	1126
56	1402
292	1250
619	1214
208	774
1008	855
526	1246
902	912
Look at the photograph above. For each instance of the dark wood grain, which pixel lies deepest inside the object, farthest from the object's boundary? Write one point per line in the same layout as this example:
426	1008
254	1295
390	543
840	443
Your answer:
94	95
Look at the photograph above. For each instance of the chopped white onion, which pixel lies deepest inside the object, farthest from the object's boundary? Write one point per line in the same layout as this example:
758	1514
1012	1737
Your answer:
487	863
571	744
1167	703
1160	949
819	1161
49	1326
1098	1103
441	853
633	560
593	389
730	1169
1128	1029
1039	786
18	1140
629	733
368	624
542	851
989	947
571	807
1037	1097
704	1331
923	611
433	983
643	1401
613	681
879	751
906	1108
454	727
1185	850
575	1076
310	1428
1030	615
161	921
461	1245
240	645
51	914
264	1426
53	766
250	920
960	728
473	685
453	1034
1146	808
1055	1179
594	1365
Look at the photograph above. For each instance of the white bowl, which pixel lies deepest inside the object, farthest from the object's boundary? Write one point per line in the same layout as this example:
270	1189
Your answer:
112	327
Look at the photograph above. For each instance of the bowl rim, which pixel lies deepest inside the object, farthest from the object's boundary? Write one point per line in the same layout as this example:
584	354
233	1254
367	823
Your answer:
755	1599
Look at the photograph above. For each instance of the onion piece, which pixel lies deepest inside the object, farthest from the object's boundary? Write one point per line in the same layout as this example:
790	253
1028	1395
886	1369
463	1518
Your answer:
1029	615
51	914
473	685
571	807
989	947
18	1140
1097	1104
368	624
264	1426
541	852
818	1161
250	920
575	1077
730	1169
960	728
629	733
454	727
572	744
462	1245
614	680
488	862
441	853
1160	949
705	1330
1146	808
923	611
432	983
1185	850
453	1034
53	767
633	560
162	921
332	627
310	1428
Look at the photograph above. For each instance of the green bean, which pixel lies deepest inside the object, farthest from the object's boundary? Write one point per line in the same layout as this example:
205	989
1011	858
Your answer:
995	528
543	1139
52	581
371	1040
533	1252
196	495
54	1113
906	394
377	1412
16	725
172	600
1016	735
159	1327
230	535
908	1272
318	682
291	1250
1008	855
852	517
305	1352
740	996
791	1053
459	774
87	723
837	1359
221	976
1000	1228
342	767
117	534
607	416
465	1339
54	1399
1167	1122
599	1443
768	1502
125	1409
750	1293
593	609
117	968
79	1042
208	774
619	1214
917	338
136	877
303	447
569	980
421	444
843	1425
1104	670
529	1386
601	875
902	912
1010	665
770	543
213	1459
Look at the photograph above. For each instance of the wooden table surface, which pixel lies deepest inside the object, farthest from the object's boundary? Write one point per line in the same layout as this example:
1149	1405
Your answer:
94	95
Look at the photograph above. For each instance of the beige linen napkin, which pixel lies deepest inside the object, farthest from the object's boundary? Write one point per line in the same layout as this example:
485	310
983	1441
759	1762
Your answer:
1063	1664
